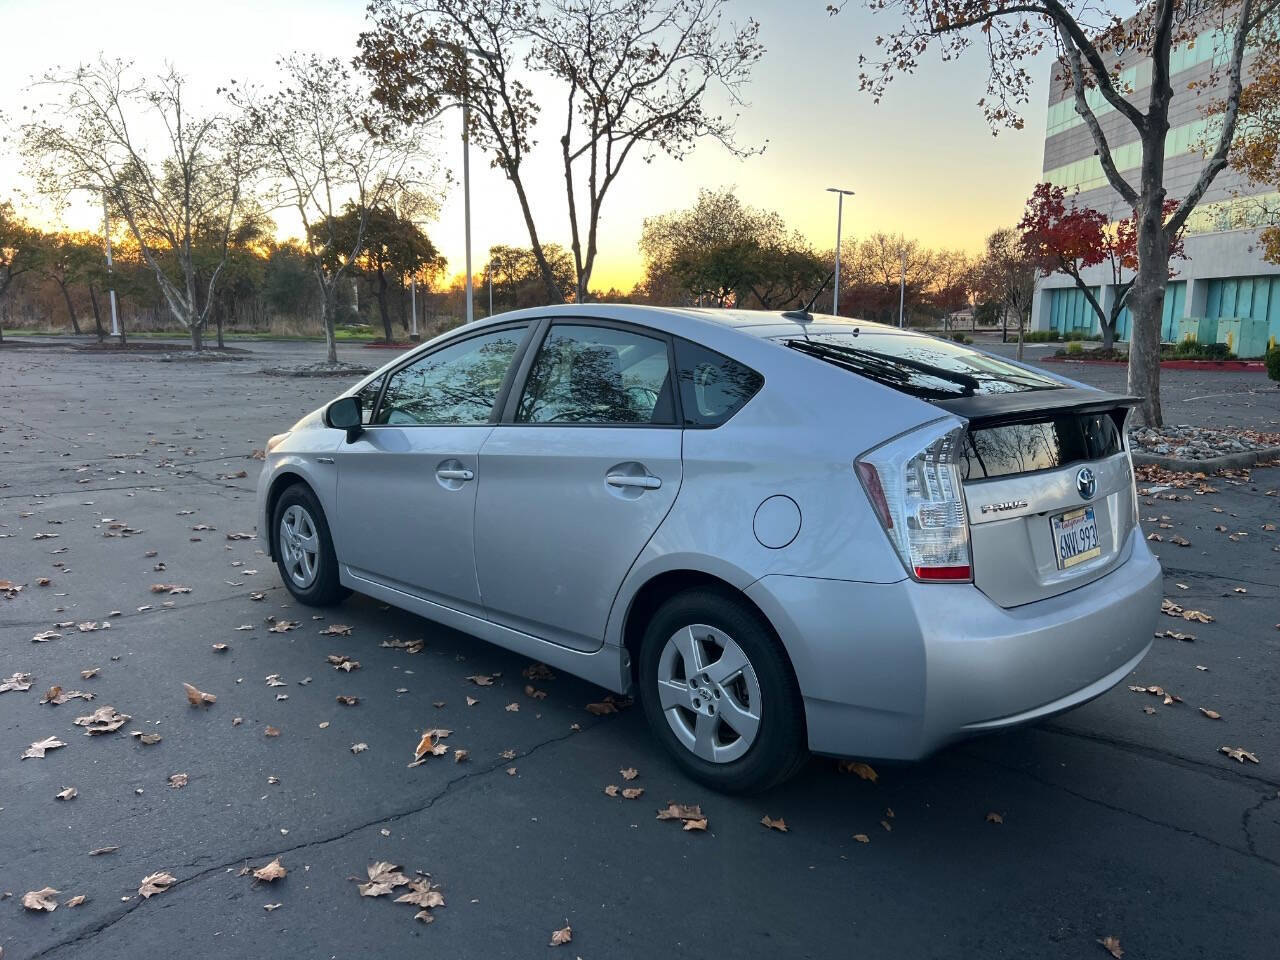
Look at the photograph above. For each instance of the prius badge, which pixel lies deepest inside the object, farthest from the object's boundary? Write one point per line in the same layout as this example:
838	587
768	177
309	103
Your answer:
1003	505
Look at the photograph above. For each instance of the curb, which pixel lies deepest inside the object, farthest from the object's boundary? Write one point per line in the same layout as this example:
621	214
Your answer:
1251	366
392	346
1228	461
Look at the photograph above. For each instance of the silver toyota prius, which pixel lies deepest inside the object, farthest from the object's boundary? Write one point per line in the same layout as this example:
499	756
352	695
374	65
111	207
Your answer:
783	532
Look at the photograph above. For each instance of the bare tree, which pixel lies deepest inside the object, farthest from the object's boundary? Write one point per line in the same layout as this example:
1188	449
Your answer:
321	151
1093	47
635	78
1007	275
100	131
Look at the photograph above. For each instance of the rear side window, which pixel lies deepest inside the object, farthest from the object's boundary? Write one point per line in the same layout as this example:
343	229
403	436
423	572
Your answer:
712	386
1013	448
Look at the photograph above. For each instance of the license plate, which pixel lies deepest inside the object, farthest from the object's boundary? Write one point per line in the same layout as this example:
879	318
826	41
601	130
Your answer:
1075	537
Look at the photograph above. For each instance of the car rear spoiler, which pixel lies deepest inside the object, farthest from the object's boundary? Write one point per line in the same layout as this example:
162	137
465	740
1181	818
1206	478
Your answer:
992	409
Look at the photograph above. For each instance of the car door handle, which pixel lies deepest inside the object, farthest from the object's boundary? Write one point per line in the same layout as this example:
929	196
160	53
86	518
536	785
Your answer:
461	474
624	480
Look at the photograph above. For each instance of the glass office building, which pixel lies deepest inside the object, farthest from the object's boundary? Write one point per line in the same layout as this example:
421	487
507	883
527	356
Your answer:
1224	279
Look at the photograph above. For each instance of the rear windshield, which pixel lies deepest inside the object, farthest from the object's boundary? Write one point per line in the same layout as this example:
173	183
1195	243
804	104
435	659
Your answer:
1000	451
924	367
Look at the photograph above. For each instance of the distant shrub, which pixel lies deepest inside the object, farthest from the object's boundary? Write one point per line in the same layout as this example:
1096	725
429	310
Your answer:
1041	336
1075	348
1191	350
959	337
1273	363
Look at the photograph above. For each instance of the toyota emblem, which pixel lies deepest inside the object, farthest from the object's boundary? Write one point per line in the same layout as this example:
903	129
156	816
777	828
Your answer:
1086	483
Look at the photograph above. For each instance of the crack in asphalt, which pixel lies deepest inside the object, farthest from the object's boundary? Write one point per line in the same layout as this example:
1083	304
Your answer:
1250	850
158	611
1209	575
1246	819
1154	753
440	794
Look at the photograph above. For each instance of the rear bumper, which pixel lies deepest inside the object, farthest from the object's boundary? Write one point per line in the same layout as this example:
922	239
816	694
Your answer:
900	670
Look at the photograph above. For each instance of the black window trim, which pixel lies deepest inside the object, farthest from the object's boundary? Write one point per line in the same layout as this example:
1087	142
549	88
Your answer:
521	378
464	334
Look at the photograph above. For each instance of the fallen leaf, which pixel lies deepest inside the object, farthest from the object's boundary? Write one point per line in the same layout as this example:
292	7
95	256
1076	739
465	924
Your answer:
513	708
45	636
270	731
101	850
272	906
67	793
197	697
149	739
472	701
422	895
601	709
170	588
863	770
680	811
1239	753
611	790
283	626
102	720
561	936
862	838
18	682
177	780
89	674
1112	946
383	878
76	900
155	883
480	680
780	825
347	701
1211	714
336	630
695	824
629	773
220	648
359	747
430	744
633	793
994	817
341	662
538	671
240	536
271	872
41	899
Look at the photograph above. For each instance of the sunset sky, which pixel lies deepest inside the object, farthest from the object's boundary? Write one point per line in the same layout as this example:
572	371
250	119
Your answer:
923	162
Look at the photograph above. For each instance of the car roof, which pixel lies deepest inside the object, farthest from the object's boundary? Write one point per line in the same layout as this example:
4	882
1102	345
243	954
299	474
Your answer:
762	324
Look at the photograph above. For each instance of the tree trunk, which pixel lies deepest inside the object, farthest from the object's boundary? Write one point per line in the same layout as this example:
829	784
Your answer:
218	327
71	307
330	338
1108	333
1146	300
382	303
197	337
1021	326
97	315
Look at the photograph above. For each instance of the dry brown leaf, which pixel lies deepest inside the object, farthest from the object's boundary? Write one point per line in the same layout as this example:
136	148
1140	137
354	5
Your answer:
1112	946
633	793
862	838
611	790
270	872
472	701
601	709
863	770
780	825
40	899
336	630
283	626
513	708
531	691
270	731
343	662
359	747
170	588
76	900
538	671
629	773
148	739
272	906
347	701
680	811
422	895
220	648
155	883
561	936
994	817
1211	714
18	682
45	636
101	850
67	793
103	720
695	824
1239	753
197	697
89	674
177	780
383	878
480	679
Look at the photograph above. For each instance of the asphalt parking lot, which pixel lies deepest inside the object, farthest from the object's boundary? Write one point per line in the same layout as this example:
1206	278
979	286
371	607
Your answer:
1122	819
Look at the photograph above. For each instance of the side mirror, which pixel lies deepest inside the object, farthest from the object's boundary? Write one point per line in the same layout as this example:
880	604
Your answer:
344	414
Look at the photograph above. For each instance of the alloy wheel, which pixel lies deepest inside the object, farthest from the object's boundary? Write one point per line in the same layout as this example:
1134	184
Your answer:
299	546
709	693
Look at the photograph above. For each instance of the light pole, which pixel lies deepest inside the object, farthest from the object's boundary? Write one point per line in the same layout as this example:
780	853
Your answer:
466	53
835	291
491	288
902	286
106	236
413	307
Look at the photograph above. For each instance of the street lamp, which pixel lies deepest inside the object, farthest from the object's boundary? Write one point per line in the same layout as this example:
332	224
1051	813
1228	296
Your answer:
835	292
106	235
466	161
491	263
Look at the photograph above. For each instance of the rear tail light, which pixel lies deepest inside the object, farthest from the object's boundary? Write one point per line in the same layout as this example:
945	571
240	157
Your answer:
913	483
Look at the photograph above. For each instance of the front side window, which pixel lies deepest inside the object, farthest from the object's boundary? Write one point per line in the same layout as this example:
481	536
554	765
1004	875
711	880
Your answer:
598	375
369	399
456	384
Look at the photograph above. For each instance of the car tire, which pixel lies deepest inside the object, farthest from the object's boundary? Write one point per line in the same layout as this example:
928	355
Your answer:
723	701
312	576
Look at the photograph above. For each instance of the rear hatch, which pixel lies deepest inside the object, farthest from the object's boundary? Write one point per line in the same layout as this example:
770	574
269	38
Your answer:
1047	478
